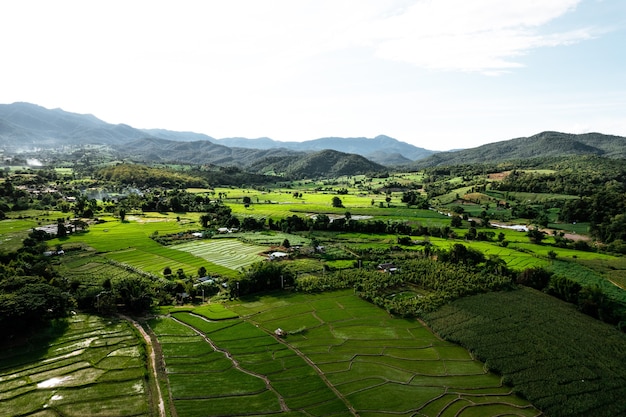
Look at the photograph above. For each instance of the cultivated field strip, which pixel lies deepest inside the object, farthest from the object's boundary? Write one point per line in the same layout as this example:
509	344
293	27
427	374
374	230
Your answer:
94	273
94	367
382	365
231	368
229	253
157	259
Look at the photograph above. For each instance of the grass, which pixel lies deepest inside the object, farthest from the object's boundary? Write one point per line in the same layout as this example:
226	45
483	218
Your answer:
15	228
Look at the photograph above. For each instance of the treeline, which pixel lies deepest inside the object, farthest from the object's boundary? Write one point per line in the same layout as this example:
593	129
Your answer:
142	176
322	222
31	291
589	299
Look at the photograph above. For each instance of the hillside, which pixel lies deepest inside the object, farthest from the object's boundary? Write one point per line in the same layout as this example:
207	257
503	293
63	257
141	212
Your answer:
324	164
545	144
25	125
196	152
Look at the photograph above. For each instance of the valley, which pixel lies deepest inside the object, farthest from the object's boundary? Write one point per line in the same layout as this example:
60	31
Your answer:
318	284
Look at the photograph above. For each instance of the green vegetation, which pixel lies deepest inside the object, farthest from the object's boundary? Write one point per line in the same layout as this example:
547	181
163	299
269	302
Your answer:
194	244
84	366
564	362
377	364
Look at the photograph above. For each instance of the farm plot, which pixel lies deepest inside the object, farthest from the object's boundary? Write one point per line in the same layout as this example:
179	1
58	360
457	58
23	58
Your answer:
294	381
567	363
92	271
228	253
94	367
229	376
382	365
158	258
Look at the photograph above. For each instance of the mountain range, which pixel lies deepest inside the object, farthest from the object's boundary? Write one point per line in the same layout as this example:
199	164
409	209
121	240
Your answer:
26	126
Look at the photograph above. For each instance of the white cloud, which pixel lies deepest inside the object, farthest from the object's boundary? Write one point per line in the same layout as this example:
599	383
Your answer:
478	35
297	69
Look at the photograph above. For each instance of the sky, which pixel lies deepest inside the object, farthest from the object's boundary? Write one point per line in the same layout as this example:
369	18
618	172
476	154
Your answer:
439	74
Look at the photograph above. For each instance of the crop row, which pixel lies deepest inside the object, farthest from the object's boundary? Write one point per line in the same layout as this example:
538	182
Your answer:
542	350
157	259
229	253
95	273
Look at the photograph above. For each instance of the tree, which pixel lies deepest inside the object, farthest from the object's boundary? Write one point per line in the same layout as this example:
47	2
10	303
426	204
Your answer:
537	278
471	233
337	202
456	221
286	244
536	236
412	198
61	229
27	301
247	200
205	219
462	254
321	221
262	276
135	293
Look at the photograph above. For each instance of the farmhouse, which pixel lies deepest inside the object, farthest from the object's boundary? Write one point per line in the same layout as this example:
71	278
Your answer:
277	255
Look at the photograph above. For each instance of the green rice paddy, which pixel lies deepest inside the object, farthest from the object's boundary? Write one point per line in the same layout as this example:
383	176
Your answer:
341	356
92	367
228	253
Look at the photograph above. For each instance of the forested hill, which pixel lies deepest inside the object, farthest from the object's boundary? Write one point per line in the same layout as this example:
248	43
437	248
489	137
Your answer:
197	152
327	163
545	144
280	161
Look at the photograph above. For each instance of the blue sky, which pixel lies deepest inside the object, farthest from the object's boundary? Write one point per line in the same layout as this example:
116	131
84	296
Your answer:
440	74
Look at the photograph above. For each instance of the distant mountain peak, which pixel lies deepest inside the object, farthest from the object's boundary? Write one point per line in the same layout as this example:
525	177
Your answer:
543	144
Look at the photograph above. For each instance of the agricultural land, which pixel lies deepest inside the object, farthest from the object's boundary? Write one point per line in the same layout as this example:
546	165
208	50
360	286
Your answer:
153	289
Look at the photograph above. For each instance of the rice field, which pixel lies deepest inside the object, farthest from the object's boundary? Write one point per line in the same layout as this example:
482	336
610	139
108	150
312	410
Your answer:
232	368
228	253
341	356
92	367
156	259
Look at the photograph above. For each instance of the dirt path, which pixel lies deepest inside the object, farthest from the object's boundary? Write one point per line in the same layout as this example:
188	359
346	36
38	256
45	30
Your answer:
151	363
